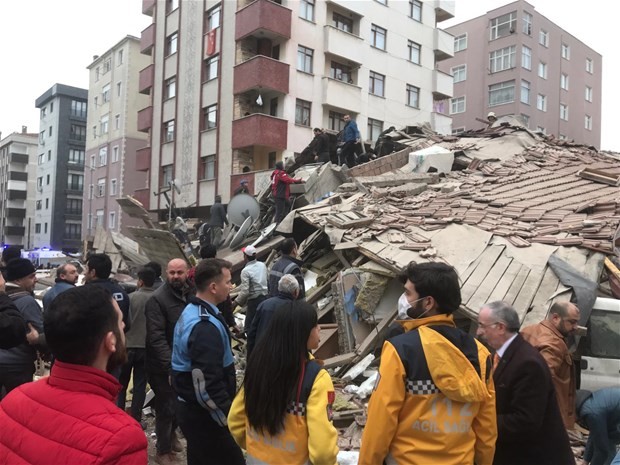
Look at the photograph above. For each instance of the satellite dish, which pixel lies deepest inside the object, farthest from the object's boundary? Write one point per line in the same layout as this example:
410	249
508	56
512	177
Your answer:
243	230
265	233
242	207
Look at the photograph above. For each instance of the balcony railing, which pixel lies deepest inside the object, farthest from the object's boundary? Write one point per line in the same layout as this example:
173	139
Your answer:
261	72
143	159
343	44
265	18
443	85
259	129
342	95
443	45
444	9
145	119
148	6
146	79
147	40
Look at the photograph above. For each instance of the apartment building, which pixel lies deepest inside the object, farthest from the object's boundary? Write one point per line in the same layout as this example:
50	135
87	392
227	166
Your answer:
112	136
515	61
18	169
239	84
60	168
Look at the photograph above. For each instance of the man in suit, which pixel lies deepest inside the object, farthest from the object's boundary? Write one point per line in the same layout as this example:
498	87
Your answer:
530	429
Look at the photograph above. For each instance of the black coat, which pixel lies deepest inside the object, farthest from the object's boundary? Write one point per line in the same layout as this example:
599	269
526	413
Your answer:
529	424
12	324
162	311
263	315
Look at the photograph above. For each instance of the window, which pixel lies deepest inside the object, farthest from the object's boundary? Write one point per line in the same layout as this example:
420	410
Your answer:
50	131
93	162
95	131
209	117
43	110
527	23
543	38
502	92
541	129
207	167
73	231
413	96
38	205
214	17
306	9
302	112
342	22
112	220
119	88
457	105
166	175
211	67
456	131
459	73
76	156
171	44
603	337
541	102
113	184
375	127
40	182
588	93
564	81
376	85
107	65
168	133
101	187
99	218
96	100
589	65
335	121
74	206
49	155
542	70
526	120
460	43
52	107
340	72
525	91
415	10
91	191
304	59
415	51
75	182
378	36
45	228
170	87
103	156
78	132
563	112
119	58
503	25
47	180
565	52
47	204
115	154
117	122
41	159
526	57
171	5
42	137
104	124
105	94
588	122
78	109
562	136
37	228
502	59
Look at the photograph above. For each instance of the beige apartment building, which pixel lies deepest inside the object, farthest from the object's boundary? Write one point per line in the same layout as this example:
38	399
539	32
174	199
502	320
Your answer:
112	137
238	85
515	61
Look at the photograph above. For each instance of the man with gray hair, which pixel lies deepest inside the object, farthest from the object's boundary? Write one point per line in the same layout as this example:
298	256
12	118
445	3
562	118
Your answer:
288	291
529	424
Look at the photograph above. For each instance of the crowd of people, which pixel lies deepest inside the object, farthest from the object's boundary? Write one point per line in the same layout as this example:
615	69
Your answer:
502	396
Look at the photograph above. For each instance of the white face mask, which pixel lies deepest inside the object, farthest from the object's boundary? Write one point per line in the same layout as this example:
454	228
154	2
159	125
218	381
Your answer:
403	306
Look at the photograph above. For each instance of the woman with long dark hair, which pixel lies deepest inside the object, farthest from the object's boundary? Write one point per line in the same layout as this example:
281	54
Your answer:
282	415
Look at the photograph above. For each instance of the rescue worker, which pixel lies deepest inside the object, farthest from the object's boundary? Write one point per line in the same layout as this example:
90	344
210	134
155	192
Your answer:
281	191
436	409
282	415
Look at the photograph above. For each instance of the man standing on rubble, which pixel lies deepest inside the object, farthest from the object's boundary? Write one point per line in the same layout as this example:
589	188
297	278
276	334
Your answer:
548	337
66	277
320	146
162	312
529	425
253	287
434	400
287	264
281	191
217	220
350	138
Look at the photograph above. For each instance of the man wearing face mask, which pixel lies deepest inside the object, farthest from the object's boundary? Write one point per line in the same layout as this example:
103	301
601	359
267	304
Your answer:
438	409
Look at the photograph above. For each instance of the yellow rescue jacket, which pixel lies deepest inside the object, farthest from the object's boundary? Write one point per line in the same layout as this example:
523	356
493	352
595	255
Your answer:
434	400
308	437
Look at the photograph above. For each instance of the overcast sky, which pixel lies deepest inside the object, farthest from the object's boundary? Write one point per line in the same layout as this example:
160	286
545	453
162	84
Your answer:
43	42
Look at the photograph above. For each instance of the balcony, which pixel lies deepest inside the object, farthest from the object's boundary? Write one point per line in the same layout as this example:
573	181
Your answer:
13	194
73	215
344	44
443	85
19	213
18	176
441	123
142	196
259	129
342	95
74	190
443	45
145	119
147	40
264	18
148	6
143	159
261	72
14	230
146	79
444	9
18	158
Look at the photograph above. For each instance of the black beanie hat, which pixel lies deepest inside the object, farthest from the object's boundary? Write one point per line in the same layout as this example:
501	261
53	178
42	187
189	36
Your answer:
18	268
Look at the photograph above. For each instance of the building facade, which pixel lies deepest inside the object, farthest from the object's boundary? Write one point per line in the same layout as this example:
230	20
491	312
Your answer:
18	170
60	168
240	84
514	61
112	136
